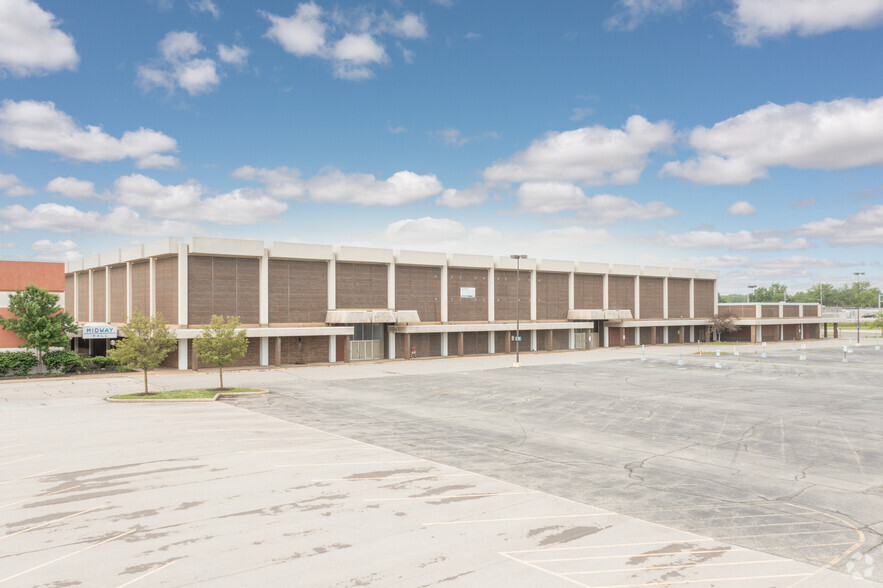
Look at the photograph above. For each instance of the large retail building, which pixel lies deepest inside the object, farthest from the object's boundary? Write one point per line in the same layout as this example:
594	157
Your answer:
316	303
18	275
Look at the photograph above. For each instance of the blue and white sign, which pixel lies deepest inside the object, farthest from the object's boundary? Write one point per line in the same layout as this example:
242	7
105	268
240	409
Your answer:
99	331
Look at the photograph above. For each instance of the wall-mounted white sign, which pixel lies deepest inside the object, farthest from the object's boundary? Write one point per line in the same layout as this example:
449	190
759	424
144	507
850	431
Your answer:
99	331
467	292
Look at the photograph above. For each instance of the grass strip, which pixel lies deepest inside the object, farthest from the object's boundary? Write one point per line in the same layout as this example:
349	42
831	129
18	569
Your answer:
182	394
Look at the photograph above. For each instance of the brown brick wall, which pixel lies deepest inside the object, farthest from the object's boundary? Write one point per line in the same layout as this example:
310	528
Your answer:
740	310
616	336
361	285
588	291
678	298
252	355
473	343
621	293
118	294
171	360
651	298
300	350
99	295
505	298
790	332
811	310
467	309
741	335
791	310
703	298
298	291
225	286
560	339
83	296
769	310
499	342
167	288
419	288
770	332
69	294
427	344
141	287
552	299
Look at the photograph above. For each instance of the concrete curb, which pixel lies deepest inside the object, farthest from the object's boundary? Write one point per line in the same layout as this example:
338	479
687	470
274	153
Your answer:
212	399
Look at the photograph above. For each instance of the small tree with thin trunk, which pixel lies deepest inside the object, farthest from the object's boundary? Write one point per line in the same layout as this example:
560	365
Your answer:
722	323
220	343
146	343
38	320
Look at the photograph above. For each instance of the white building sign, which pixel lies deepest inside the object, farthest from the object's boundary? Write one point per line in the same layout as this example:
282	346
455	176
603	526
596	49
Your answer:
99	331
467	292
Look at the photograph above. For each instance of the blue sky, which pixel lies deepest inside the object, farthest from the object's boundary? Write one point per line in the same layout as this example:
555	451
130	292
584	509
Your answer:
739	135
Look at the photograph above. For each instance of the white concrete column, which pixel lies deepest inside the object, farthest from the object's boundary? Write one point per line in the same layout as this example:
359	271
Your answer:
264	293
443	301
444	344
128	290
107	294
183	287
91	298
781	310
152	286
715	311
491	295
571	337
570	292
637	336
391	346
391	286
606	329
265	351
665	297
781	332
692	334
332	283
332	348
800	310
183	353
533	340
758	312
491	341
76	307
692	299
637	297
664	335
605	295
533	303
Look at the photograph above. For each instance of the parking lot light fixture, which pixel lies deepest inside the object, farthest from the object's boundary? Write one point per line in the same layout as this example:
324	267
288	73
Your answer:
858	307
517	258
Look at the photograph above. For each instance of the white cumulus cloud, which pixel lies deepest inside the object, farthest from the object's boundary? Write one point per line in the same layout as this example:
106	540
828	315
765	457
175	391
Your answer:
206	6
738	241
741	208
753	20
180	66
601	209
410	26
864	228
302	33
425	230
401	188
281	182
471	196
10	185
72	188
590	155
30	41
233	54
38	126
826	135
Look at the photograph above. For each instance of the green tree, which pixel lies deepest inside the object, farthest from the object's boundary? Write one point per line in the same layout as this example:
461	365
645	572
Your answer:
146	343
220	343
775	293
38	320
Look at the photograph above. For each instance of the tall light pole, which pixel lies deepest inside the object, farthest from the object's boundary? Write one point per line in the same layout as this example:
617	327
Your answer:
858	306
517	259
752	288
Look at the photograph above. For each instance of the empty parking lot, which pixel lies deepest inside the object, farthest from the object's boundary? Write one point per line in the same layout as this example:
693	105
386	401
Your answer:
611	471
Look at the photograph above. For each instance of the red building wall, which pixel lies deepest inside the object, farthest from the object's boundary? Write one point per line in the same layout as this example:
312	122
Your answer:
17	275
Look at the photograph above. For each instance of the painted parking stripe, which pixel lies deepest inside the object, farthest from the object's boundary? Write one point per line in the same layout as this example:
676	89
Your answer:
445	496
681	566
57	559
540	518
340	463
150	573
70	516
40	496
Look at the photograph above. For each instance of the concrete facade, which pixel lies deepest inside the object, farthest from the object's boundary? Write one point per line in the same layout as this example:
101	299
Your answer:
302	303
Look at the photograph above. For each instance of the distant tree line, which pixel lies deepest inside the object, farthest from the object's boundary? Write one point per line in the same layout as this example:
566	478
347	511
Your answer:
850	295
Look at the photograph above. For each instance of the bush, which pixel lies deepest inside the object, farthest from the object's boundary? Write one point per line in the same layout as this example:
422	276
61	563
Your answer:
19	363
62	361
101	362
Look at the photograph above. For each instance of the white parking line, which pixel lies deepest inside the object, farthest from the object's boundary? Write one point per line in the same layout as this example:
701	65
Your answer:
151	572
680	566
706	581
20	459
569	516
57	559
28	477
444	496
39	496
415	477
340	463
76	514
